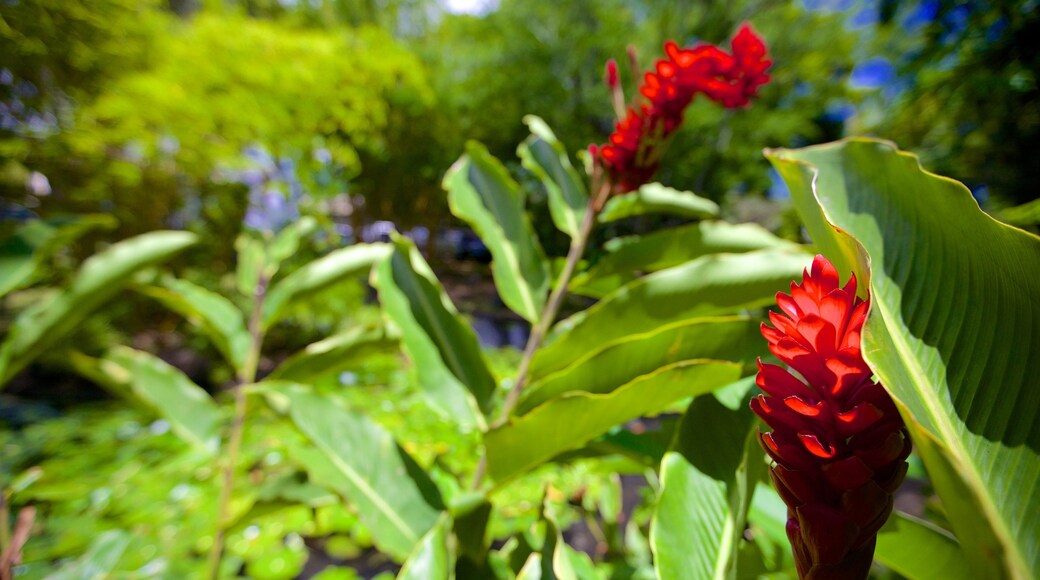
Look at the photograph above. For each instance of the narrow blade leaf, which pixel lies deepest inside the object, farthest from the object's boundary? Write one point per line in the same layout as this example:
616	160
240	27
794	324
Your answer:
446	357
543	155
101	277
481	192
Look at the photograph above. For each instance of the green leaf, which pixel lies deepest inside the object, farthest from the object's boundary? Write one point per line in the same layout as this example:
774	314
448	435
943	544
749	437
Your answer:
34	241
250	263
1022	215
446	356
165	390
613	364
100	278
952	332
393	497
630	256
334	267
217	316
920	550
337	353
707	481
287	242
568	422
431	558
715	284
657	198
99	560
481	192
543	155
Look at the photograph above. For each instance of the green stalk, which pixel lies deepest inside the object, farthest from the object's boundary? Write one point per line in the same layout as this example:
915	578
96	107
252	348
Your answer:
246	375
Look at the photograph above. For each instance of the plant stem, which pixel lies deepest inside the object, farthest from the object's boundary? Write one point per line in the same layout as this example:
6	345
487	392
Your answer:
552	306
246	375
548	314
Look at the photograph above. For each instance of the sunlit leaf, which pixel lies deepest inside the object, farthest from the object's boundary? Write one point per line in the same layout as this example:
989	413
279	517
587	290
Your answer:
631	256
446	357
100	278
657	198
714	284
334	267
481	192
217	316
100	559
432	558
569	421
544	155
608	366
164	389
952	331
392	495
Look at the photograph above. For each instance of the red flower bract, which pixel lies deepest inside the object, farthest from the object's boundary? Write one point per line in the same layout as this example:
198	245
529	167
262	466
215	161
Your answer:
731	80
838	443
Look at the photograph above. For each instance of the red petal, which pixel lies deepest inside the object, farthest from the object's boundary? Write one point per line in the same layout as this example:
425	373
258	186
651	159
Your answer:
827	533
779	383
857	419
788	305
848	473
889	451
802	408
813	445
801	487
824	274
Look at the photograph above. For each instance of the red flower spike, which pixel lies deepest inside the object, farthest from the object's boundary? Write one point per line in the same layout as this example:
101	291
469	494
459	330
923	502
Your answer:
612	74
838	443
631	155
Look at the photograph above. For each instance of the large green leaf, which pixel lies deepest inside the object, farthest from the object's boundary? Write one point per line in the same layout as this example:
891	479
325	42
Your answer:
431	558
164	389
657	198
952	332
100	278
481	192
715	284
446	357
337	353
544	155
632	255
568	422
338	265
919	550
707	481
217	316
99	560
616	363
393	496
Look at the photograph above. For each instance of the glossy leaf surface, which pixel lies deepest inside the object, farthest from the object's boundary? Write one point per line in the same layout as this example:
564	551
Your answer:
715	284
337	353
544	155
446	357
481	192
657	198
569	421
952	331
707	481
616	363
630	256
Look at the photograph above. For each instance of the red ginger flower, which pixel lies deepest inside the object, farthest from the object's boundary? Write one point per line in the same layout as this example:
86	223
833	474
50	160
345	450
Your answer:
838	442
731	80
